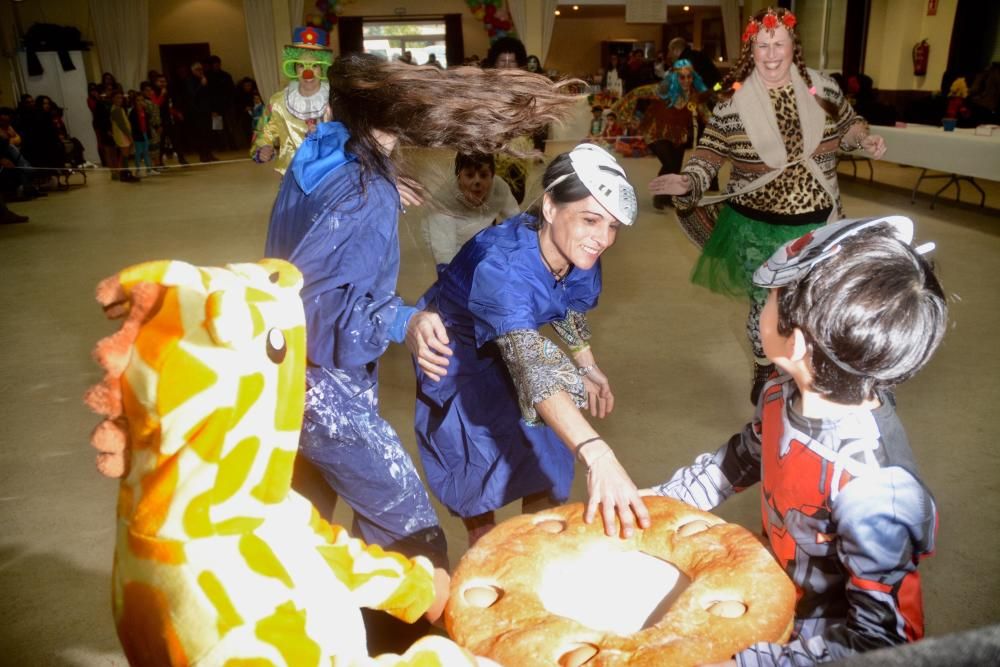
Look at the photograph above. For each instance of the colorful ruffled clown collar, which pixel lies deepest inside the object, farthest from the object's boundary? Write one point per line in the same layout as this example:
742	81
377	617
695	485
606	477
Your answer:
769	22
307	107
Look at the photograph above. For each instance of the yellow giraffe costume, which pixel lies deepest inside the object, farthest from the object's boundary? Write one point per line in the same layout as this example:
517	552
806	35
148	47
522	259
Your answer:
218	561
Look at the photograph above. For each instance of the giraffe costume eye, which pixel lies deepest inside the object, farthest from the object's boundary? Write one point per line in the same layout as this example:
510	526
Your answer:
276	348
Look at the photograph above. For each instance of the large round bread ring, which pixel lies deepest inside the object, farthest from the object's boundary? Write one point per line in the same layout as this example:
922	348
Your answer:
533	589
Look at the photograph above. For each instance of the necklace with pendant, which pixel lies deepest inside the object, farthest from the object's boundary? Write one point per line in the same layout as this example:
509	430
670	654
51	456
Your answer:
558	275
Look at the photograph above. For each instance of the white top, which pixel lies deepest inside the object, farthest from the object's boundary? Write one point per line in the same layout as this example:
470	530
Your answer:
447	231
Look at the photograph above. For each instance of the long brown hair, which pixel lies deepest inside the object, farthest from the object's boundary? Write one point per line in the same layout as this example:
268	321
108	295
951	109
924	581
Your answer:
745	65
468	109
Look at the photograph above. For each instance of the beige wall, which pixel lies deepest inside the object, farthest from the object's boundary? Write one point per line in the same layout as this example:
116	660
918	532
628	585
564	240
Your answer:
218	22
576	43
888	61
812	14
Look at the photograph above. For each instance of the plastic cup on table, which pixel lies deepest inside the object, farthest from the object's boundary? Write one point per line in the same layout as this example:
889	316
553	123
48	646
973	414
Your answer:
949	124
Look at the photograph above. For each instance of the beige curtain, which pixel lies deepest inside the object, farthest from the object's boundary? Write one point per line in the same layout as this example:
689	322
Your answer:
264	54
519	15
296	13
526	12
121	34
548	21
731	28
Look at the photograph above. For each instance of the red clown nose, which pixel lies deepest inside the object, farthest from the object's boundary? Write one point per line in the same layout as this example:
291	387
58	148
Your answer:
308	74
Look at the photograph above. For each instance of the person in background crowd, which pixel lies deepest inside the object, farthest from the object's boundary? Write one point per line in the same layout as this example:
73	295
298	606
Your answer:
16	174
171	118
200	118
613	80
246	91
223	94
121	131
140	122
678	49
40	143
509	53
674	109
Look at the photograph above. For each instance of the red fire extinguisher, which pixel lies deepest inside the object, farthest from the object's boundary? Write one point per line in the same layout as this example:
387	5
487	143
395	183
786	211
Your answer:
921	54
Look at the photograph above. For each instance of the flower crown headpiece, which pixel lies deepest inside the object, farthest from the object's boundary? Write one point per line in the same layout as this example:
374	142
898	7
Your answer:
769	22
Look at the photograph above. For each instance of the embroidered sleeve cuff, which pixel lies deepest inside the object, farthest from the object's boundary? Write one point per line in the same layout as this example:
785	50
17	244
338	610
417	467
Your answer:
539	370
574	330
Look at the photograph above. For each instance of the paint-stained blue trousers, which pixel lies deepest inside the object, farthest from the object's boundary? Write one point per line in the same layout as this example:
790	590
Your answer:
362	459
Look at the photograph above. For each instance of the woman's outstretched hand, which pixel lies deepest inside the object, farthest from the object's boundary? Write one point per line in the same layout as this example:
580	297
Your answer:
670	184
874	145
600	400
427	339
610	488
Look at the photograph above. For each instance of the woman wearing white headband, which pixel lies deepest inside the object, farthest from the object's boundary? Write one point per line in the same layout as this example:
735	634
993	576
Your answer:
505	423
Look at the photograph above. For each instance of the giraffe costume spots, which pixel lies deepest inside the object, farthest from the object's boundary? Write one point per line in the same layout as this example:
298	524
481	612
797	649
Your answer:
218	561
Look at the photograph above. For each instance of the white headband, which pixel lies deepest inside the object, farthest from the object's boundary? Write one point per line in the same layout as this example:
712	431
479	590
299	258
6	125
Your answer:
601	174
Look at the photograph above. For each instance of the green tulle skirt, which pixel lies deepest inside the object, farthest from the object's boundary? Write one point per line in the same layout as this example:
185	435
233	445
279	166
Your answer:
739	245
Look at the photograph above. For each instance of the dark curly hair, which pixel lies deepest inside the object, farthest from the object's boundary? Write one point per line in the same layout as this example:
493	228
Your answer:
507	45
875	306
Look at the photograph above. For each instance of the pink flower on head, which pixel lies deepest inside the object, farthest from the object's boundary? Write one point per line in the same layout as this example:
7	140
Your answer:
789	20
770	21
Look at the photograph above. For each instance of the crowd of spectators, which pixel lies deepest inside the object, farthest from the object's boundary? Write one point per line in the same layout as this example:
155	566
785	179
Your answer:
35	147
200	112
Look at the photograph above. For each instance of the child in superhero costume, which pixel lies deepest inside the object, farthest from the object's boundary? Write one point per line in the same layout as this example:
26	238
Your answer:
293	112
853	309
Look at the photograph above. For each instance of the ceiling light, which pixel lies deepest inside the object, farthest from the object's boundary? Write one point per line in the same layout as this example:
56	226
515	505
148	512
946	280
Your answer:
558	13
687	8
576	8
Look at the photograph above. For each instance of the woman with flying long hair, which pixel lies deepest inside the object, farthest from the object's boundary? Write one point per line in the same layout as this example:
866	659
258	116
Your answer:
335	218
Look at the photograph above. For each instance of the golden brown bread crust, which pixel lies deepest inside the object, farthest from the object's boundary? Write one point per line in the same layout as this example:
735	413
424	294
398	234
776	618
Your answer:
725	562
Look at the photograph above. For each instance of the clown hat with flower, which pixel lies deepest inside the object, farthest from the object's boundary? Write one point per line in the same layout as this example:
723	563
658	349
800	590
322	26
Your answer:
310	45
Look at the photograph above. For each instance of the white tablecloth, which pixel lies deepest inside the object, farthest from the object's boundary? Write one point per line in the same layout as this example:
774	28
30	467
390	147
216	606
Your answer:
960	152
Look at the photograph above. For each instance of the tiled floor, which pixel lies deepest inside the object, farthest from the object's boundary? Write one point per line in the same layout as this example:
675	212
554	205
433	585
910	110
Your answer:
675	355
